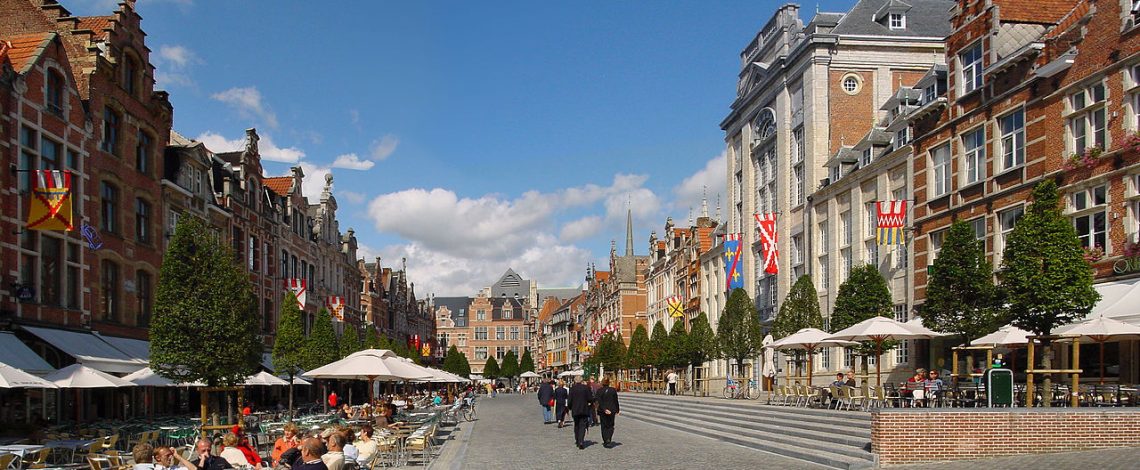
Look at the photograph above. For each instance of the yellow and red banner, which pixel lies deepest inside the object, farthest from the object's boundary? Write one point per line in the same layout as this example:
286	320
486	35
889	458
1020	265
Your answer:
676	307
50	208
336	307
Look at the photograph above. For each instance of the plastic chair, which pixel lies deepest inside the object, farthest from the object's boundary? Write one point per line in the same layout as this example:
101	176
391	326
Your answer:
6	461
857	394
37	459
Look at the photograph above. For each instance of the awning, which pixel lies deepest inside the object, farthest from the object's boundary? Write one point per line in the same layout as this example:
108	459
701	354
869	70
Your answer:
267	361
15	353
89	350
1119	300
135	348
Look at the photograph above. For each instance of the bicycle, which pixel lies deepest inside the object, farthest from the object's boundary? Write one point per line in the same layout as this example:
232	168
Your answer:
741	389
468	411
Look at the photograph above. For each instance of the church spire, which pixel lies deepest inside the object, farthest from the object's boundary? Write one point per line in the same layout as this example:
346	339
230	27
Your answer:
629	232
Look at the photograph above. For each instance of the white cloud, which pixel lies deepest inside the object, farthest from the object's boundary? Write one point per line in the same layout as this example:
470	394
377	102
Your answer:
710	180
383	147
173	64
580	229
350	161
247	101
352	196
314	182
177	55
269	151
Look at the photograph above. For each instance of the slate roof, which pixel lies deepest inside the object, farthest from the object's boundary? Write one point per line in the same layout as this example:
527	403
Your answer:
454	305
925	18
561	293
23	49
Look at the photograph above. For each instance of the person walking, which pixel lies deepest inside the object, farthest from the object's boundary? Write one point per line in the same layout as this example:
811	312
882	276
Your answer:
581	404
608	409
672	380
560	395
546	400
594	386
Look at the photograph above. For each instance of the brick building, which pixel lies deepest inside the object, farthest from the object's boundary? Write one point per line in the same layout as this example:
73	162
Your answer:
616	299
675	269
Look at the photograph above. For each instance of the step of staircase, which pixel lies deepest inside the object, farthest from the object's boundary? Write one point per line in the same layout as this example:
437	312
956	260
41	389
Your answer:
845	445
830	418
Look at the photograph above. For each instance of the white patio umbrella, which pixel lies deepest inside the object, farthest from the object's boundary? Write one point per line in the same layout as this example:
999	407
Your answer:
1008	335
369	365
808	339
11	377
572	373
80	376
299	381
529	375
1100	329
917	325
264	378
146	377
880	330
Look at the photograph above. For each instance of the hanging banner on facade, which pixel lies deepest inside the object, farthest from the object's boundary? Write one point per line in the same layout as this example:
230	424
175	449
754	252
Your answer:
732	268
676	307
300	288
891	220
766	227
336	307
426	350
50	208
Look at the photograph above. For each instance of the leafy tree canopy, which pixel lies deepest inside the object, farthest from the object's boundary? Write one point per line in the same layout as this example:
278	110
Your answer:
349	341
679	347
637	356
863	295
960	293
800	309
372	338
510	365
289	342
1045	277
491	369
610	352
321	348
702	341
526	363
205	325
738	332
658	353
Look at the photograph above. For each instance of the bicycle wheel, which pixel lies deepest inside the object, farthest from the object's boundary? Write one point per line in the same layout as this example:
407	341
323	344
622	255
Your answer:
729	391
753	393
469	414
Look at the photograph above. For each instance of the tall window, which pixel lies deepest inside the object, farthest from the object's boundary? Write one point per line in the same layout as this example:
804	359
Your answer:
970	63
143	285
480	333
845	228
74	281
130	74
500	333
110	143
1087	118
979	227
1090	217
902	137
798	144
51	272
1008	219
110	284
798	184
940	174
975	145
844	263
481	315
142	221
514	332
797	250
507	312
55	92
1012	128
143	150
824	273
902	353
480	353
871	250
500	351
936	239
109	203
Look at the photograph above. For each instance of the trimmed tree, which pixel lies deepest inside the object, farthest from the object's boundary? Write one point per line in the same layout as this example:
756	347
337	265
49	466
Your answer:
637	356
372	338
509	368
609	353
526	363
321	348
863	295
1044	274
702	344
465	367
491	369
960	295
678	353
451	362
349	341
205	325
738	333
800	309
658	346
289	342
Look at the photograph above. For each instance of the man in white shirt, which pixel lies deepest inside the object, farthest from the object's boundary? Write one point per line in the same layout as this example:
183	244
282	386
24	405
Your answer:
672	380
334	458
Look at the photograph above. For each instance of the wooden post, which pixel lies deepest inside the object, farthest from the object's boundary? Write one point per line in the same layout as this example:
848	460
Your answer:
203	395
1029	392
954	366
1074	393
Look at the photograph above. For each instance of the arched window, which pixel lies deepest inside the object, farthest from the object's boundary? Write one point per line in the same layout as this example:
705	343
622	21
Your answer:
132	74
765	125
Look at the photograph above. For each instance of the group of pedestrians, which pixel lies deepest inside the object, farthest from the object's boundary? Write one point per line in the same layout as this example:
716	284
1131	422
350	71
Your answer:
588	404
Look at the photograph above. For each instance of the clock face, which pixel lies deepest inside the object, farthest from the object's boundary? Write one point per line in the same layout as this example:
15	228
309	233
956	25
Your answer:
765	124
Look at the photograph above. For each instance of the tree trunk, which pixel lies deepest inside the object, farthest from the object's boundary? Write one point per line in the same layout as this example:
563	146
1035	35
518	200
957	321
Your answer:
1047	384
291	396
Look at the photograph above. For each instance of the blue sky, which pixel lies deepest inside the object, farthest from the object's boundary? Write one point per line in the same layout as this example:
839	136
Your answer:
469	137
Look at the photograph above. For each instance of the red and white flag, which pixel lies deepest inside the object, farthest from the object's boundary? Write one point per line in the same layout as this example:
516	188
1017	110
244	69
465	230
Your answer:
300	288
766	226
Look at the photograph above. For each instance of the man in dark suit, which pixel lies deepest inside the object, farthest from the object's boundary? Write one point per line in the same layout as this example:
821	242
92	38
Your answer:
545	397
581	402
608	409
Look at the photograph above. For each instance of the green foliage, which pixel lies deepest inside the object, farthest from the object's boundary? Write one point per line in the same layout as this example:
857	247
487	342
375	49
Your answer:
610	353
510	365
349	341
800	309
491	369
738	332
637	356
702	341
658	346
321	348
372	338
679	347
452	362
863	295
290	339
1045	277
960	294
464	366
205	325
526	363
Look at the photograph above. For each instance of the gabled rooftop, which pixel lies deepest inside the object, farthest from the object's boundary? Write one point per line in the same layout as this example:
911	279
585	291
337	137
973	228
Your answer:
24	49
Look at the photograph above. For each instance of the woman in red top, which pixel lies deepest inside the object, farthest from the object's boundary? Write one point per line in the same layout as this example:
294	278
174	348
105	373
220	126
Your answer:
246	449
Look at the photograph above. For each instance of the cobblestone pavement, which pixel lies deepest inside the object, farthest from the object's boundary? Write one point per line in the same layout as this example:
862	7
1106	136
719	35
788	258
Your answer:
1104	459
509	434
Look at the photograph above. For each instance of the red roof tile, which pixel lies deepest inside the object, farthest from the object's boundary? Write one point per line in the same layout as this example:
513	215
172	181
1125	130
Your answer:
24	49
602	276
1076	14
279	184
1034	11
97	24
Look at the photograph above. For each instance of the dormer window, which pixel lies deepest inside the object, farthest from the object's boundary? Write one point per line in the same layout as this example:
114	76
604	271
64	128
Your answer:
834	173
930	94
868	155
897	21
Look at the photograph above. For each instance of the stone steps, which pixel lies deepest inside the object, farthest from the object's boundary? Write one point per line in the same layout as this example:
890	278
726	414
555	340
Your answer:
845	444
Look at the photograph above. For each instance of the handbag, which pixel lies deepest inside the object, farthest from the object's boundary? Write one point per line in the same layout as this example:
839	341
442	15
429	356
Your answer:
551	403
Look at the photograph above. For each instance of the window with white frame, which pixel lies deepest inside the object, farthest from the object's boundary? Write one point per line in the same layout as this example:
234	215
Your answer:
936	239
845	228
500	333
825	358
848	358
902	137
480	315
481	353
797	250
798	144
1132	228
978	225
868	156
844	263
872	251
940	170
1086	120
900	256
871	224
824	273
1012	127
480	333
902	352
974	145
1007	219
970	63
824	238
798	184
897	21
1132	86
1090	217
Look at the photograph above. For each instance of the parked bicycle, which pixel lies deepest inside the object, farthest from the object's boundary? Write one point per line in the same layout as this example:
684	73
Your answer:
742	389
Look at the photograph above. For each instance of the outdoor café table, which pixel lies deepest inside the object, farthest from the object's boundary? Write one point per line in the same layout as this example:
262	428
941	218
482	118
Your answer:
21	451
73	445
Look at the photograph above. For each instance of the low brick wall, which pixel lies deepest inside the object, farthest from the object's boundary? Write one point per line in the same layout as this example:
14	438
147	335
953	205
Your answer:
915	435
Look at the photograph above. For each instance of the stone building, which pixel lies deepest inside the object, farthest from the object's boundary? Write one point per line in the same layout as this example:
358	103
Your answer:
675	270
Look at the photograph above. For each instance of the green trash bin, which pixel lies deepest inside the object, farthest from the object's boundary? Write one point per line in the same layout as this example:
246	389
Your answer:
999	387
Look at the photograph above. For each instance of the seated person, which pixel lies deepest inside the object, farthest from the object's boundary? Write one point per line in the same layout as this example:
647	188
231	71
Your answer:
166	458
839	382
849	379
144	457
366	447
918	378
286	442
246	449
231	453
